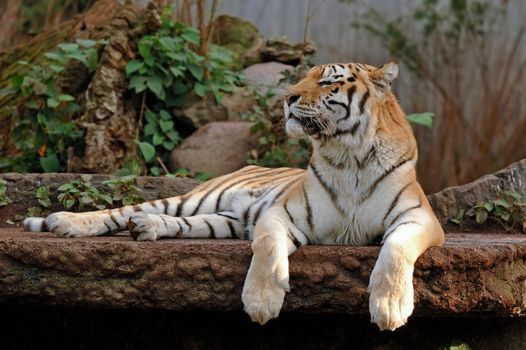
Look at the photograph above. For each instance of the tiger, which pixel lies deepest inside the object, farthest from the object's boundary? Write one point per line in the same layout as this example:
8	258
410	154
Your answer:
359	188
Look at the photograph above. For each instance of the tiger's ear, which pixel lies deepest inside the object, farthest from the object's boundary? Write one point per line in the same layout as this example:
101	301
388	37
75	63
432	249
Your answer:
386	74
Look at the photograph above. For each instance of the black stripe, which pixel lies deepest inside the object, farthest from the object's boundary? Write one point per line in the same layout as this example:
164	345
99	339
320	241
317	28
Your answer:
394	202
232	230
294	240
180	206
43	227
108	229
212	231
344	106
351	79
405	211
187	223
115	221
308	209
218	185
246	181
351	130
391	230
228	216
329	191
336	76
245	216
340	65
335	90
373	187
325	83
180	232
165	203
258	212
370	154
328	107
364	99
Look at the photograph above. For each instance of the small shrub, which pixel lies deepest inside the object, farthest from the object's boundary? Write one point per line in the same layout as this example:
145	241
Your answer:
43	129
4	199
169	72
508	210
124	190
80	193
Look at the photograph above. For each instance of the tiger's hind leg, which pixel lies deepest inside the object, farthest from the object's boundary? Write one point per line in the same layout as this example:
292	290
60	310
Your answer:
99	223
149	227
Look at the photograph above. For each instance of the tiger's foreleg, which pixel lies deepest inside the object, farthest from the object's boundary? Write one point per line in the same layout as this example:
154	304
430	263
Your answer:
391	282
275	238
149	227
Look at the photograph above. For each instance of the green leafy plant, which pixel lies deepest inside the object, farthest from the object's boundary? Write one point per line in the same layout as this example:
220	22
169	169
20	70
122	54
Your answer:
124	190
425	119
80	193
275	148
508	210
187	173
43	128
44	201
4	199
169	72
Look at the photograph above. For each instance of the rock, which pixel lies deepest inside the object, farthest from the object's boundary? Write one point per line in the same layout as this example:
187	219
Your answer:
231	108
450	201
218	148
241	37
281	50
263	77
471	274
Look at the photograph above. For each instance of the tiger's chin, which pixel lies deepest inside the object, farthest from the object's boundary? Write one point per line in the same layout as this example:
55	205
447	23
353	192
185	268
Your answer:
294	128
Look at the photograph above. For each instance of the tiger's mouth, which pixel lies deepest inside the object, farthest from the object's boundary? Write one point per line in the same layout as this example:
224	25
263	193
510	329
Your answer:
309	124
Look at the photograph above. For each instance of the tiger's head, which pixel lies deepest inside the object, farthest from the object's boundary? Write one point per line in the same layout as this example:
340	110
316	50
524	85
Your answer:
346	102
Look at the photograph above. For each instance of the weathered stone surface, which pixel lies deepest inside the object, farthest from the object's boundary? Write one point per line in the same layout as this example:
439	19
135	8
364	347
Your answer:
450	201
219	148
241	37
281	50
473	274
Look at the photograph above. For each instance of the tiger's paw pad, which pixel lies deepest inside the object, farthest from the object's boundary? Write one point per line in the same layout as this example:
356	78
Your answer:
143	227
391	298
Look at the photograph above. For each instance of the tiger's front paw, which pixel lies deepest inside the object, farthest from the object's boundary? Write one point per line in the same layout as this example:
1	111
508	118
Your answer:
262	299
264	289
144	227
391	295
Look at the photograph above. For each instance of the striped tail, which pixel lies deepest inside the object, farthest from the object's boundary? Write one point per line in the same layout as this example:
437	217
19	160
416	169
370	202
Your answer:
35	224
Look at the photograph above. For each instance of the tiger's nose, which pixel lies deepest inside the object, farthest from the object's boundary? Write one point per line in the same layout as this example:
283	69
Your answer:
292	98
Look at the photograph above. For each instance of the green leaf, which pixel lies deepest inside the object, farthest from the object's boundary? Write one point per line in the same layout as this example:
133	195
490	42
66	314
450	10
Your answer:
65	97
425	119
137	83
69	203
157	139
165	115
174	136
147	150
155	84
166	125
55	68
52	103
176	72
68	47
488	206
92	59
201	90
197	71
87	43
133	66
192	36
481	216
50	163
502	203
54	56
505	216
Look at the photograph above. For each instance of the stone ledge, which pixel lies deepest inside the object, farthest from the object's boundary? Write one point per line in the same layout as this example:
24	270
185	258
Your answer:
471	274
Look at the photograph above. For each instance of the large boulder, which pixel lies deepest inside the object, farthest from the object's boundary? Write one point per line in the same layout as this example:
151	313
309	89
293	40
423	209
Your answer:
449	202
264	77
231	108
241	37
218	148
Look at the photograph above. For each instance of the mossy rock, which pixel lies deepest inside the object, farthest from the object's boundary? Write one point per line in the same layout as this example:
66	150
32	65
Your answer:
239	36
